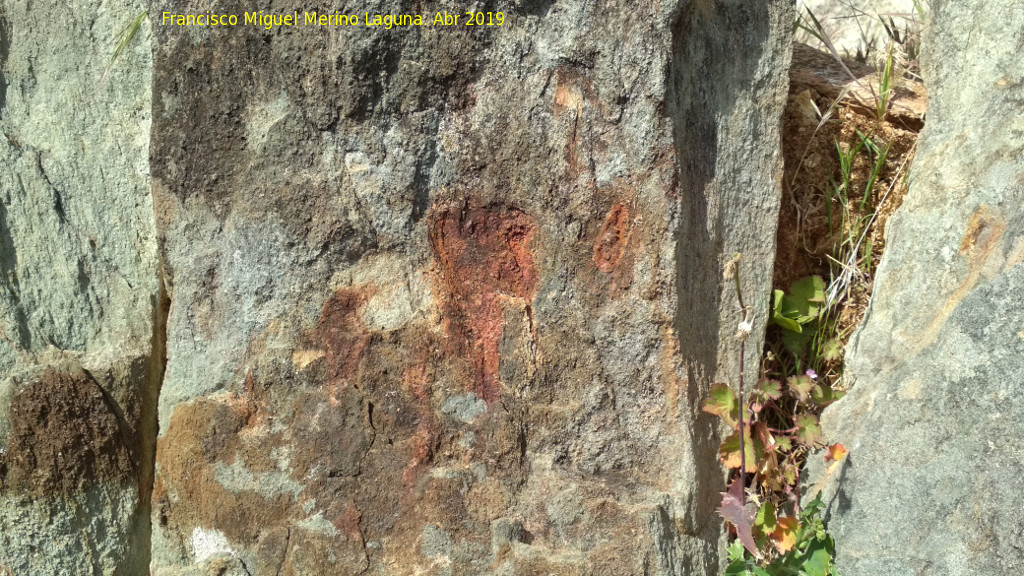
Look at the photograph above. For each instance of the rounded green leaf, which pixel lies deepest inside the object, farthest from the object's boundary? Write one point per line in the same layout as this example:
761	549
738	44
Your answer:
801	386
722	402
803	303
808	430
833	350
823	395
770	388
765	519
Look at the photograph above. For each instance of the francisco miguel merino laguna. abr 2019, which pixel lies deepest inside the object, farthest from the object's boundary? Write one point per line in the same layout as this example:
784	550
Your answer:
270	20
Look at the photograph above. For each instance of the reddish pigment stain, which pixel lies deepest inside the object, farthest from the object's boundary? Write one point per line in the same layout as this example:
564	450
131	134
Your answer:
611	241
348	523
484	258
343	334
424	442
572	93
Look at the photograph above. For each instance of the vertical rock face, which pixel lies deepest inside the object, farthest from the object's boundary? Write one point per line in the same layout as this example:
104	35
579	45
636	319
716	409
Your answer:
426	284
442	299
79	298
932	482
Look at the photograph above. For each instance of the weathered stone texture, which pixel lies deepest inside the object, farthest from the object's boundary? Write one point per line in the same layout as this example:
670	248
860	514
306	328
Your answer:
933	481
64	435
426	284
79	297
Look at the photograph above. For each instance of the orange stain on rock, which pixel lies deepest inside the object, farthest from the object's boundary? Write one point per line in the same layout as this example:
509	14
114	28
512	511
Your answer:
424	442
572	92
568	97
348	523
187	492
484	258
979	244
985	228
613	238
344	336
211	433
414	378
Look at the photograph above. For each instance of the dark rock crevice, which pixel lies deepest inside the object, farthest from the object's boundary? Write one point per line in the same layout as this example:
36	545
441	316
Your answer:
21	337
156	365
5	49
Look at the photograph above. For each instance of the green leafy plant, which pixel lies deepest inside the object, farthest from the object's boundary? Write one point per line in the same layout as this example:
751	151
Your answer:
809	549
797	309
772	429
805	324
801	306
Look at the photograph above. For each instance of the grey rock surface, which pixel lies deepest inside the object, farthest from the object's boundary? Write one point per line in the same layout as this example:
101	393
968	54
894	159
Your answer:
933	480
447	300
79	291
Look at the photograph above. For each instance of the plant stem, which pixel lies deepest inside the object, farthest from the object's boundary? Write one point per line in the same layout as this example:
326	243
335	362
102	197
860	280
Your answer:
797	468
742	335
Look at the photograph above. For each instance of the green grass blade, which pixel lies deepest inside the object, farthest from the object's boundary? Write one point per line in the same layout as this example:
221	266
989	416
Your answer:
125	37
880	158
885	84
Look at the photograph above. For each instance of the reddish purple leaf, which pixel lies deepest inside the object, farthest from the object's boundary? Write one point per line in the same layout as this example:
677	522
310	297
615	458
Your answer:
739	515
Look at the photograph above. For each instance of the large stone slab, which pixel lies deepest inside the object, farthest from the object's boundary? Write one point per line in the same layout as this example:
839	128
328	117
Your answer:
446	300
80	356
933	481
